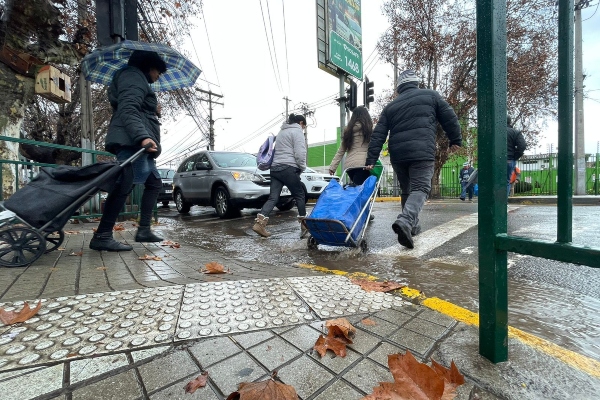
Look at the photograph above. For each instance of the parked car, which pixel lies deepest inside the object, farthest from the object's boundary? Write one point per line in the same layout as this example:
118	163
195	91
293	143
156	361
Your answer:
166	193
227	181
314	182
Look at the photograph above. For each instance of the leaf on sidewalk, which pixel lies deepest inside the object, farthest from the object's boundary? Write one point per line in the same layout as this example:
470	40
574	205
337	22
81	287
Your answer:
197	383
79	253
173	245
71	232
264	390
332	343
415	380
371	286
339	334
119	227
340	328
214	267
368	322
11	317
148	257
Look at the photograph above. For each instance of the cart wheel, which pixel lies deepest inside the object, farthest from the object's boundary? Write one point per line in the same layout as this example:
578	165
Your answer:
312	243
20	246
54	240
362	244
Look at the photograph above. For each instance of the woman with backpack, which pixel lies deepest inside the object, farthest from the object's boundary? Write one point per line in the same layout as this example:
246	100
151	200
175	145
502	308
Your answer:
288	163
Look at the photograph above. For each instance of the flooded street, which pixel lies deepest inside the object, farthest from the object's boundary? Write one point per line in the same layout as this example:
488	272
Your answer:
556	301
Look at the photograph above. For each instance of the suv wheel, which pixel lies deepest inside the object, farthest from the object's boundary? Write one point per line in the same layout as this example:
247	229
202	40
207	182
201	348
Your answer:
182	206
223	205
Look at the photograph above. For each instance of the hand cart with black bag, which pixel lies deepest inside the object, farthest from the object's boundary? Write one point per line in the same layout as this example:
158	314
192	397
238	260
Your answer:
33	218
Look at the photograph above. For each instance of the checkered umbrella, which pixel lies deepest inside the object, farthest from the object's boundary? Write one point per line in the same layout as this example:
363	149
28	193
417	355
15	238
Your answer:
101	65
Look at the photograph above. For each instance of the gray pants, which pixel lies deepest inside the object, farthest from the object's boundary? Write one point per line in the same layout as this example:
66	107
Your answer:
415	185
289	177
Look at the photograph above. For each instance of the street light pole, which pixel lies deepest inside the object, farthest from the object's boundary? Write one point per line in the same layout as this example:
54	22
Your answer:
211	122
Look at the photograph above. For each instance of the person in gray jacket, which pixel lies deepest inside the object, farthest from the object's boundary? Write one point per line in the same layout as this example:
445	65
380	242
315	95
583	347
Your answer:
289	161
133	125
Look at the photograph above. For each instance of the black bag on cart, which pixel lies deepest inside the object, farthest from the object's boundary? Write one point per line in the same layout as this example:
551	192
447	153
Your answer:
61	188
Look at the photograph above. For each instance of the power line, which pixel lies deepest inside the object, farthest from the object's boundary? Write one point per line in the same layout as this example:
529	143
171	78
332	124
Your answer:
209	45
269	45
286	52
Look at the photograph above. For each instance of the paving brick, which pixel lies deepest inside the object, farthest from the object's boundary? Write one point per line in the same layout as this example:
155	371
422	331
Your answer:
30	383
367	374
177	392
213	350
380	354
147	353
118	387
415	342
247	340
436	317
426	328
273	353
335	363
363	342
163	371
339	390
381	327
303	337
305	376
394	316
229	373
81	370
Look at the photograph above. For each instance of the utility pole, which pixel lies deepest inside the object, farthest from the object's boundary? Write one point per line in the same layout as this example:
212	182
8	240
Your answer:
307	112
211	121
287	112
88	140
579	129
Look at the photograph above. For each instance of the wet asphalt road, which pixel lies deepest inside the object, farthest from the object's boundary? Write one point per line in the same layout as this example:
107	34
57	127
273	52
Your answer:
553	300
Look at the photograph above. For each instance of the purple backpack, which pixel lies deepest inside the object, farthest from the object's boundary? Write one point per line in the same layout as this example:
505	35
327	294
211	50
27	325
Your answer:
266	153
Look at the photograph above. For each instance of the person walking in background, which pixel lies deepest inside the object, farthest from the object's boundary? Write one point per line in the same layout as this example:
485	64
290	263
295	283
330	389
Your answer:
463	177
355	143
289	161
515	147
411	122
134	124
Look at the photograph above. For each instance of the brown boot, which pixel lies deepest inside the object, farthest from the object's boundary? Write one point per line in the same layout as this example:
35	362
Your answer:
303	228
259	226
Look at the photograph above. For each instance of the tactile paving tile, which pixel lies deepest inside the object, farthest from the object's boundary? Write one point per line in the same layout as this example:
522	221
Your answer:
220	308
86	325
336	296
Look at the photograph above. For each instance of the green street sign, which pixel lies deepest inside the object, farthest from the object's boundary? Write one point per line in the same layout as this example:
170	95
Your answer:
345	55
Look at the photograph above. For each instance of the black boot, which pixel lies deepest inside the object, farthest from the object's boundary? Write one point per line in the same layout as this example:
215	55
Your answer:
105	241
144	234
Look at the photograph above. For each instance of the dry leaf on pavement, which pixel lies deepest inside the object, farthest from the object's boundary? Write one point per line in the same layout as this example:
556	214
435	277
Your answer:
197	383
368	322
339	333
332	343
71	232
264	390
340	328
11	317
173	245
415	380
371	286
147	257
119	227
80	253
214	267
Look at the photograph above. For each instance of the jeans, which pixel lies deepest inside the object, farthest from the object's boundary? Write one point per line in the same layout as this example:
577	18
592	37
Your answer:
143	167
415	185
466	190
510	168
290	177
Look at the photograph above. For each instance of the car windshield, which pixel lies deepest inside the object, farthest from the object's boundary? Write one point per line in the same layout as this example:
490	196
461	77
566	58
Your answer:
234	159
166	173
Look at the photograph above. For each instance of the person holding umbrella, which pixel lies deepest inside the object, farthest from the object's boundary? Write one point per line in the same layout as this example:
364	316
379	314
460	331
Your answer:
134	124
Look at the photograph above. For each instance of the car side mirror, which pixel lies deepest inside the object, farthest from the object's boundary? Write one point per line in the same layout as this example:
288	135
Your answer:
203	165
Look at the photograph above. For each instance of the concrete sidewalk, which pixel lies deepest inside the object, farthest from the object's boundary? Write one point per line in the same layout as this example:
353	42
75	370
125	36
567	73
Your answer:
115	327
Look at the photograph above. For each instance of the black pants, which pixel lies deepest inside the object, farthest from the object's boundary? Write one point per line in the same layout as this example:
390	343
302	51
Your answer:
415	185
290	177
116	200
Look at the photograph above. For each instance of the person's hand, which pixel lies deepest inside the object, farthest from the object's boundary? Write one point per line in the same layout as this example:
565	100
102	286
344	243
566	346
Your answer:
369	167
454	148
331	172
149	141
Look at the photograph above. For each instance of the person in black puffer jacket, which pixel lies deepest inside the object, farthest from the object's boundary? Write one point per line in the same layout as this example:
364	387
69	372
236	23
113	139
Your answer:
133	125
411	120
515	147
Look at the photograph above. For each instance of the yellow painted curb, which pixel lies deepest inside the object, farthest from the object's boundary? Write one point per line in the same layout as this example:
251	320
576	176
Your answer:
386	199
576	360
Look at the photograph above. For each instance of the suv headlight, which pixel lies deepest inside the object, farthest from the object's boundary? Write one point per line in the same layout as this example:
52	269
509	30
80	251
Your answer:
314	178
246	176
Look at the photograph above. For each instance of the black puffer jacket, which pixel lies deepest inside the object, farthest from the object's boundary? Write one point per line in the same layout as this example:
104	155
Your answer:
515	144
134	111
411	120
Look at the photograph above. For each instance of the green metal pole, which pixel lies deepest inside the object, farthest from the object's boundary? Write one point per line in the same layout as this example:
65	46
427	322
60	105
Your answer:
565	122
491	139
596	183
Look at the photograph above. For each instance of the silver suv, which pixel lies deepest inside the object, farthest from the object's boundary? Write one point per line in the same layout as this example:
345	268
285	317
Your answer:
227	181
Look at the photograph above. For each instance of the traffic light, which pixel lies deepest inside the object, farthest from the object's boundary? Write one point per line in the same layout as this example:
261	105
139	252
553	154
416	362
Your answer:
351	96
368	92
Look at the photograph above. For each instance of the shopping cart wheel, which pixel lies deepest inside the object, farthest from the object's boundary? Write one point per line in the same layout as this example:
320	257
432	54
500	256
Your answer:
54	240
362	245
312	243
20	246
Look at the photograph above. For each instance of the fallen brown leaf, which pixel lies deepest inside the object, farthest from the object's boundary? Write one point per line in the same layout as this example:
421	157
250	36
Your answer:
264	390
147	257
118	227
339	333
71	232
368	322
61	249
197	383
173	245
80	253
415	380
340	328
11	317
371	286
214	267
324	343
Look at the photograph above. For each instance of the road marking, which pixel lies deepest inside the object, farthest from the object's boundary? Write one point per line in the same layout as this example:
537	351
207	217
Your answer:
575	360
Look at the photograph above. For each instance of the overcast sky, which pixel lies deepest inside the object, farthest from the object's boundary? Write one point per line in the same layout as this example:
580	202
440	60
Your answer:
241	68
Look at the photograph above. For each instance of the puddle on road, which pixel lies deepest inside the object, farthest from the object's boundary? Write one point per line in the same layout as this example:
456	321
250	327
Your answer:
548	311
